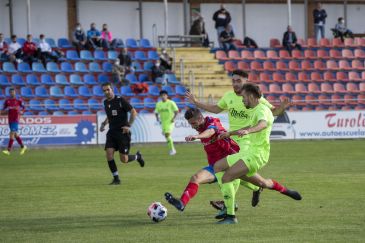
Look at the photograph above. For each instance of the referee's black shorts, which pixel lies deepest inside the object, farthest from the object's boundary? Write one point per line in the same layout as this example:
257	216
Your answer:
119	141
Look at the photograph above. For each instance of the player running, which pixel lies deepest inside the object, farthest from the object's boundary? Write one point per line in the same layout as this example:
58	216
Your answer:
245	165
14	108
166	111
209	129
118	137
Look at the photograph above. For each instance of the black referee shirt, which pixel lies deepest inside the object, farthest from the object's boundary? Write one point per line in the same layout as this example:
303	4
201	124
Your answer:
117	112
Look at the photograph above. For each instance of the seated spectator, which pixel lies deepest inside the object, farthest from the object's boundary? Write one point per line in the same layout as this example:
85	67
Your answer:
157	71
227	37
198	28
290	40
140	88
94	37
45	51
15	52
341	30
249	42
79	38
29	50
118	73
107	38
166	60
3	47
125	60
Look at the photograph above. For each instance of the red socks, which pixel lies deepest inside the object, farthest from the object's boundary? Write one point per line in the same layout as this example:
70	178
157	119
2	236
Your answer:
20	142
189	192
278	187
10	144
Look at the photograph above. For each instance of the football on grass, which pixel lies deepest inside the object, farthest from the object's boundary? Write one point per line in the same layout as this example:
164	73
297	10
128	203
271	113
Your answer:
157	212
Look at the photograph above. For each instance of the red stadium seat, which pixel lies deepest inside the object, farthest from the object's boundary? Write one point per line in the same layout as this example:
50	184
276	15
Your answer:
259	54
310	54
294	65
324	99
284	54
349	42
326	88
253	77
359	108
332	108
342	77
337	42
344	65
361	98
243	66
313	88
302	42
257	66
272	54
264	88
318	64
362	87
311	99
297	54
221	55
316	77
339	88
290	77
312	42
268	66
288	88
275	43
354	76
265	77
347	53
230	66
320	108
282	66
307	108
359	53
275	88
350	99
234	55
357	64
335	54
359	41
352	88
246	54
329	76
306	65
331	65
278	77
322	54
300	88
303	77
346	108
297	99
337	99
324	42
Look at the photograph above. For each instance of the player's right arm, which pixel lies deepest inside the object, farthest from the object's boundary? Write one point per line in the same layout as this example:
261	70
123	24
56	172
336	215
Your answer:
206	134
208	107
103	124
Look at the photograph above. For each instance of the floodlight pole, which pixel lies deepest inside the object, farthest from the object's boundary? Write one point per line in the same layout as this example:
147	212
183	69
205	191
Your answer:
140	19
244	18
166	23
28	17
11	22
289	12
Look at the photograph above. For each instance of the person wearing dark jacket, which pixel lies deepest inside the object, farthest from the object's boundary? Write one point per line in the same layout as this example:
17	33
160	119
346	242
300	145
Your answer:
125	60
319	17
290	40
221	18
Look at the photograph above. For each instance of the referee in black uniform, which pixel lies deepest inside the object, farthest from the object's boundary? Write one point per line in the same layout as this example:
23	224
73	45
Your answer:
118	137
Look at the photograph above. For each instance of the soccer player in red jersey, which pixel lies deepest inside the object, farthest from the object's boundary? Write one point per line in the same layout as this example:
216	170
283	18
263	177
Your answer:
14	108
209	129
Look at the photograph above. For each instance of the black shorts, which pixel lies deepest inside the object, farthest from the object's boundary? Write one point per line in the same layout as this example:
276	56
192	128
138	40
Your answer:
119	141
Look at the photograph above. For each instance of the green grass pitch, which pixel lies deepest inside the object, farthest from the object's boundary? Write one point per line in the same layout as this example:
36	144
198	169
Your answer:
61	195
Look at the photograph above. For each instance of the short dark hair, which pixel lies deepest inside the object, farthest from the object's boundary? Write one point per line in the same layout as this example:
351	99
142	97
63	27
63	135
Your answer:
252	89
41	36
13	36
106	84
339	19
163	92
11	89
192	112
240	73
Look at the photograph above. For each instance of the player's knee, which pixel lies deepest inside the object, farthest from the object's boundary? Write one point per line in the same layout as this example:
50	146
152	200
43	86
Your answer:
194	179
226	178
217	168
124	159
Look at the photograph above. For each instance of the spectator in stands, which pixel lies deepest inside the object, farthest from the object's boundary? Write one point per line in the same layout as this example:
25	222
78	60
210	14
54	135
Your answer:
166	60
341	30
125	60
227	38
107	38
29	50
157	71
94	37
3	47
15	52
198	28
290	40
118	73
79	38
319	17
45	51
222	18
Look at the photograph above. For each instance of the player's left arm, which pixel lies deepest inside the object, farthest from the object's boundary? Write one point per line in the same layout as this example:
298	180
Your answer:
175	115
206	134
277	111
176	111
132	117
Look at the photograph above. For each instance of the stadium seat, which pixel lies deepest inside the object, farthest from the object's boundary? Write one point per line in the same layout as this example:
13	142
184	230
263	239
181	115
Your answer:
84	92
347	53
4	81
344	65
24	67
86	55
52	67
80	105
302	42
337	99
275	88
257	66
243	66
281	66
230	66
326	88
291	77
86	113
352	88
339	88
136	103
278	77
264	88
332	65
126	91
72	55
316	77
66	67
51	42
97	91
337	42
153	55
362	87
312	42
17	80
102	78
153	90
234	55
31	80
361	98
349	42
26	92
303	77
112	55
350	99
149	103
272	54
259	54
107	67
300	88
143	78
180	90
70	92
357	64
342	77
35	105
46	79
180	104
306	65
169	90
275	43
265	77
2	97
94	105
247	55
75	79
313	88
132	79
284	54
89	79
297	54
63	43
73	113
131	43
61	79
41	92
8	67
144	43
329	76
50	105
288	88
58	113
99	55
140	56
318	64
359	108
324	99
171	78
65	105
324	42
81	67
56	91
322	54
359	53
28	113
95	67
38	67
310	54
335	54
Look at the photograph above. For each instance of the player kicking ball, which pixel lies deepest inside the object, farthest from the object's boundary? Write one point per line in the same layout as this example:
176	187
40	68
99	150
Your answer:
14	107
209	129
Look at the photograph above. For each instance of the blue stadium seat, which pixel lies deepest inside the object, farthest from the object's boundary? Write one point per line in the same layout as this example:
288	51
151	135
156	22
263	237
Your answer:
89	79
94	105
24	67
73	113
72	55
75	79
50	105
64	43
84	92
140	56
147	66
143	78
102	78
17	80
169	90
80	105
58	113
180	104
21	41
95	67
131	43
65	105
131	78
4	81
2	96
86	113
154	90
41	92
136	103
180	90
100	55
9	67
107	67
153	55
143	111
36	41
116	91
112	55
126	91
137	67
7	91
43	113
81	67
28	113
144	43
70	92
38	67
61	79
66	67
46	79
32	80
56	91
26	92
35	105
171	78
149	103
86	55
52	67
98	91
100	113
51	42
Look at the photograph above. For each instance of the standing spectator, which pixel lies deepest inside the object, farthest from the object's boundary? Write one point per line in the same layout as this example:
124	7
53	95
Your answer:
29	50
118	72
15	52
157	71
319	17
166	60
227	38
198	28
341	30
45	51
107	38
94	37
3	47
222	18
79	38
290	40
125	60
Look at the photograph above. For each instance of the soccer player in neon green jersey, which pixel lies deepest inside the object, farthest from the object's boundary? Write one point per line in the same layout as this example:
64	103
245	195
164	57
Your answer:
237	114
166	112
245	165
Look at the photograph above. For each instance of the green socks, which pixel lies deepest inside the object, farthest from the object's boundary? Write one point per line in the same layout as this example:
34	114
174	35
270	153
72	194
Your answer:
249	185
170	143
229	192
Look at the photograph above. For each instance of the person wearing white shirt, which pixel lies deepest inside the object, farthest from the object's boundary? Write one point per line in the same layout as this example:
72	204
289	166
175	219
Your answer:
15	50
45	51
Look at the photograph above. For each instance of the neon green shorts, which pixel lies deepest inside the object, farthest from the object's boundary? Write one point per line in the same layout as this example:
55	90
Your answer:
253	160
167	127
